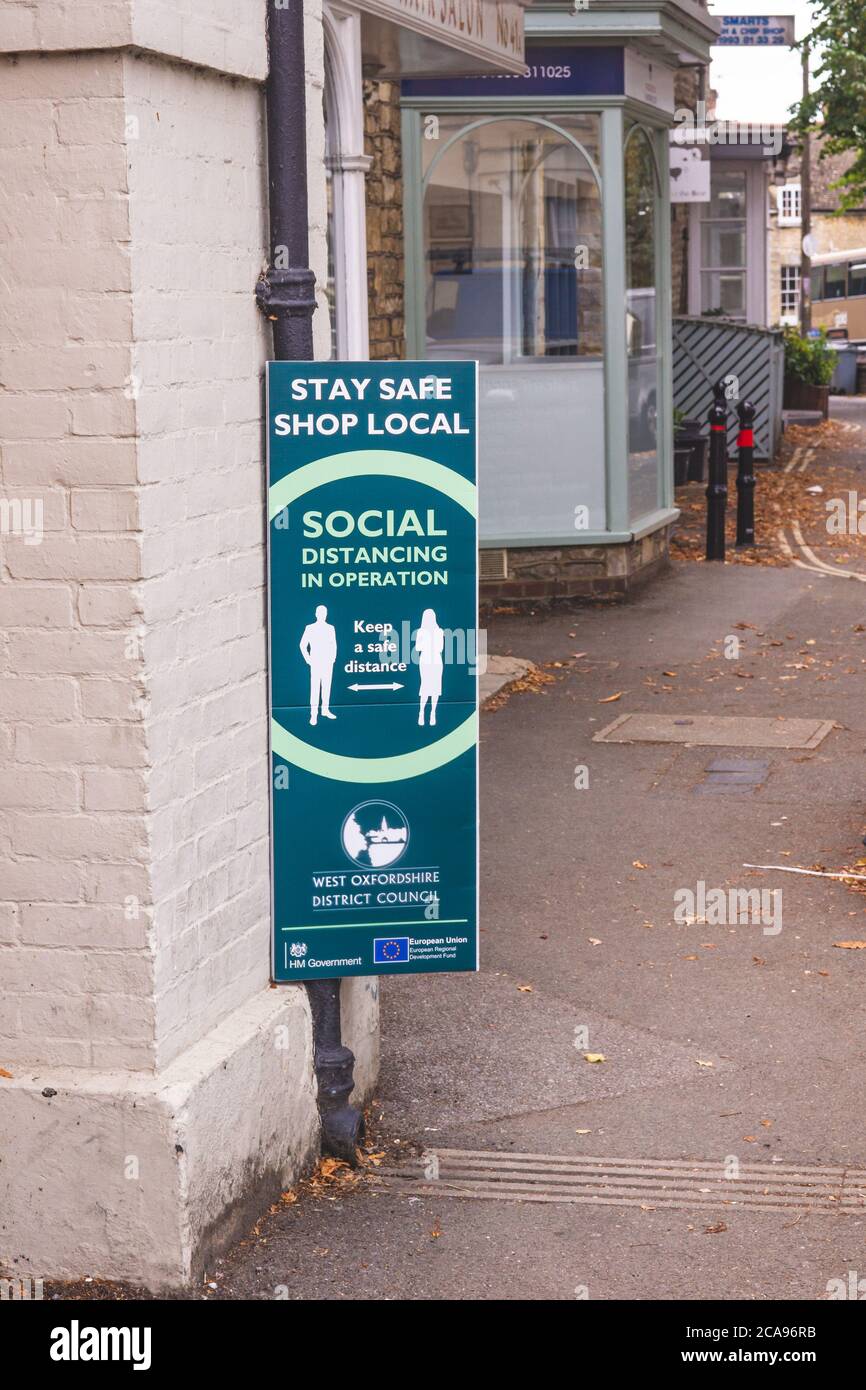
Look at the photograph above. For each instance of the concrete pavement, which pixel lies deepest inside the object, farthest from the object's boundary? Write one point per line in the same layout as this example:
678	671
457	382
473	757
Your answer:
721	1041
477	1062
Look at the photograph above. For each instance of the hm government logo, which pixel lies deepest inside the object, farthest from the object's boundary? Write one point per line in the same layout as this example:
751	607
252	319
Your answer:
298	949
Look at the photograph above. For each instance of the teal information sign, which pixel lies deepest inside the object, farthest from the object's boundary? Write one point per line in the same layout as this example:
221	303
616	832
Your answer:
373	663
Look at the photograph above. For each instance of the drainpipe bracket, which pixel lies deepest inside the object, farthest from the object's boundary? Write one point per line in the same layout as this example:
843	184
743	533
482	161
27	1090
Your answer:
289	293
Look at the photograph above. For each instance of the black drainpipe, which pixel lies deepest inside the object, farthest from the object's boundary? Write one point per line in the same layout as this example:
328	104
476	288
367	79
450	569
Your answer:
286	293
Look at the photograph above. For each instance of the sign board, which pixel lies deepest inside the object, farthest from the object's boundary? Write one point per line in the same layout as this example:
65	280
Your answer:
563	70
755	31
490	31
648	80
373	667
690	174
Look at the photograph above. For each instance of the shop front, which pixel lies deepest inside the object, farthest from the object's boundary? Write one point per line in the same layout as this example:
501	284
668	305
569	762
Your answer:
387	40
537	229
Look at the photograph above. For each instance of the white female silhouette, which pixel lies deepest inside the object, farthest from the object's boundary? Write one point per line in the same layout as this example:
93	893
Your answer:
429	644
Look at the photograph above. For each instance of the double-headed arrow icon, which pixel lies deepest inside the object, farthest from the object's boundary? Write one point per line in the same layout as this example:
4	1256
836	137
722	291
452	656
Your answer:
395	685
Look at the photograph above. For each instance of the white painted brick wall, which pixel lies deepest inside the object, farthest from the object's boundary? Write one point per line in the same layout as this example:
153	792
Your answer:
227	35
134	856
76	966
199	238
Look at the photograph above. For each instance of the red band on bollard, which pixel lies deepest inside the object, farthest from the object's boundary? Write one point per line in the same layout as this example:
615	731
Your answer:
746	439
718	429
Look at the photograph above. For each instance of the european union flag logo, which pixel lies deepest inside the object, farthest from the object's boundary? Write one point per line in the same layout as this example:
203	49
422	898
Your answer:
388	950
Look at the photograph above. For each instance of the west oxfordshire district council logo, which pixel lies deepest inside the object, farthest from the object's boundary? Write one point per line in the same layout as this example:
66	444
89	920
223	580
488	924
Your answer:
375	833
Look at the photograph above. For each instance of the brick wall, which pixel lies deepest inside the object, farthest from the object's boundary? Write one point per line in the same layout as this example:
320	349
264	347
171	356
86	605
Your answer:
74	895
385	273
198	229
134	875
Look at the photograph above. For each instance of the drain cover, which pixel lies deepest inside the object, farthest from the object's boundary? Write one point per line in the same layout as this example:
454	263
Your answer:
629	1182
716	731
729	775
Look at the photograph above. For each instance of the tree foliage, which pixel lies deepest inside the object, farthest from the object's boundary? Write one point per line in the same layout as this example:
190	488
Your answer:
836	106
811	360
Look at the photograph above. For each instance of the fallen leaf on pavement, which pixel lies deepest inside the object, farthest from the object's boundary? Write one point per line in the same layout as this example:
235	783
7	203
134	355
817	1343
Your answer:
329	1166
636	864
715	1230
851	945
7	1074
526	989
594	1057
609	699
704	1064
594	940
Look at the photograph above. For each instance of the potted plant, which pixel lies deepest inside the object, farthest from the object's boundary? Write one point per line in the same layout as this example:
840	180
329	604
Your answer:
809	366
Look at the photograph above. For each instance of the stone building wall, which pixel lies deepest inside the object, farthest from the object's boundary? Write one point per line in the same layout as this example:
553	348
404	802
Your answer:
385	273
832	230
687	88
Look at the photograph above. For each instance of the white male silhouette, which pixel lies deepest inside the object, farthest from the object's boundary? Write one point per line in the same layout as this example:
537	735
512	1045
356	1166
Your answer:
319	650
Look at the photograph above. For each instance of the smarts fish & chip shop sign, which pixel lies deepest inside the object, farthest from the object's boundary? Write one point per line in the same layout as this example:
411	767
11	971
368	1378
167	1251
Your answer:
755	31
373	647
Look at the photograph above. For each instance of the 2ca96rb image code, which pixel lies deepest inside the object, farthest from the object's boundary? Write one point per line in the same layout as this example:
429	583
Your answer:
783	1331
741	1333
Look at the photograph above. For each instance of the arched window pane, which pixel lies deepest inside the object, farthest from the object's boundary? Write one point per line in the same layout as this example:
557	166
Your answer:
513	276
512	237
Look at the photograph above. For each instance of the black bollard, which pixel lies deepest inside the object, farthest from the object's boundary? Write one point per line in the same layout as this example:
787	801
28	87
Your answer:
746	475
717	485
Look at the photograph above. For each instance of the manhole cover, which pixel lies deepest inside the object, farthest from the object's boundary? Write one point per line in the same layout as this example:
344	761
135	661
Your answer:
716	731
